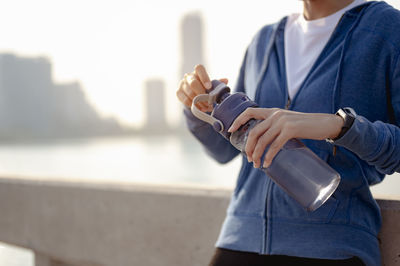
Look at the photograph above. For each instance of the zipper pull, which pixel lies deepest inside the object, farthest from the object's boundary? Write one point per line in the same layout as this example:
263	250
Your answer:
334	150
288	104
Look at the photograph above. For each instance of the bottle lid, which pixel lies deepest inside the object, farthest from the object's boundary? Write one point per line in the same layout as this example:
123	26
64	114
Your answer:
227	107
230	106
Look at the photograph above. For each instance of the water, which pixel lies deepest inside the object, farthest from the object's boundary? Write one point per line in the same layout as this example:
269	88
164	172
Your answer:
155	160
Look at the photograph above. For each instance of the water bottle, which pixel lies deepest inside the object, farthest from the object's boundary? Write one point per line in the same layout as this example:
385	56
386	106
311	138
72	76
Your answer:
296	169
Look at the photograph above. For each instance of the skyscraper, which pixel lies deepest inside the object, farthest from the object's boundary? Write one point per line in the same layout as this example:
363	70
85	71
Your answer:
192	48
192	42
155	118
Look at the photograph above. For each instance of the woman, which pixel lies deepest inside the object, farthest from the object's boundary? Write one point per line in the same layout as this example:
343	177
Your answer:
337	54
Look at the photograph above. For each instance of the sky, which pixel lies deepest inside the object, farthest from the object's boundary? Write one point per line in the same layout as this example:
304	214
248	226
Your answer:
113	46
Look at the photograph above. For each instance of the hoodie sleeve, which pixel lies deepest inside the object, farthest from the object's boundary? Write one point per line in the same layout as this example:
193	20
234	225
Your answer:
378	143
215	144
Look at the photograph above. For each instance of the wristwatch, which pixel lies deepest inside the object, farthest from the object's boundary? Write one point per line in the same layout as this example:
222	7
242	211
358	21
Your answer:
348	115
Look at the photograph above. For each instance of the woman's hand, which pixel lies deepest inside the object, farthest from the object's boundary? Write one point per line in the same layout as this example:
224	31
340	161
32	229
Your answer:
279	125
194	84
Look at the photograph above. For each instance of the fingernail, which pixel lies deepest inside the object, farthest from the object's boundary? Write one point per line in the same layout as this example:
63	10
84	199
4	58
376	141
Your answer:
208	85
230	130
249	159
265	164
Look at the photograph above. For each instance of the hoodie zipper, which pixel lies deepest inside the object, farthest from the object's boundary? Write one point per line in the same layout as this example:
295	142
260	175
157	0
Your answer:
287	106
289	101
266	243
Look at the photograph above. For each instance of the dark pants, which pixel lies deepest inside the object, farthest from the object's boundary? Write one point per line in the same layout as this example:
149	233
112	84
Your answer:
226	257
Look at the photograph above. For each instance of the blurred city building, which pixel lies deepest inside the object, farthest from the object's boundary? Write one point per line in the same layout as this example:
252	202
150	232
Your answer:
33	106
192	42
155	118
192	50
192	53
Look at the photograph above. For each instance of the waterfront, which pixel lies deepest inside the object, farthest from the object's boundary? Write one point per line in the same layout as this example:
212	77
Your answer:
152	160
168	160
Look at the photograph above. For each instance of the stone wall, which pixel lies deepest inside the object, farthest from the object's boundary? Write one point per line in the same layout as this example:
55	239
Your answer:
117	224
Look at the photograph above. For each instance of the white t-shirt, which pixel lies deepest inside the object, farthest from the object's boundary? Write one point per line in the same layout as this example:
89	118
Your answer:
304	41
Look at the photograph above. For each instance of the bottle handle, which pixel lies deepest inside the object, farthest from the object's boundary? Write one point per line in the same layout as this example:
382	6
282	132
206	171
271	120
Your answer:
217	124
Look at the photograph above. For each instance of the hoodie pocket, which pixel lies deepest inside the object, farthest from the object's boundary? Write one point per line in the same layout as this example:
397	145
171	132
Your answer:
285	207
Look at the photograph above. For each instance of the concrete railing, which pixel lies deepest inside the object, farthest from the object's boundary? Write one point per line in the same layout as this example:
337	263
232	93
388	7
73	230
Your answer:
104	224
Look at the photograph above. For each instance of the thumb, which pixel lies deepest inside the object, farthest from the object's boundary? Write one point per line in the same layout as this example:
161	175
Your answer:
224	80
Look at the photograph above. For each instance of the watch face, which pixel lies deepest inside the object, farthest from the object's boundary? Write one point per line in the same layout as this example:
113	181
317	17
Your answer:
348	114
349	111
342	113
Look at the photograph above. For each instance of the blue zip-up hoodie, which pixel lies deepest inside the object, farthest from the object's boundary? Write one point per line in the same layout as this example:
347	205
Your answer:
359	68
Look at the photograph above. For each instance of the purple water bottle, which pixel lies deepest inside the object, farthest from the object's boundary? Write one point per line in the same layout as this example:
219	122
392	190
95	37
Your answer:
295	168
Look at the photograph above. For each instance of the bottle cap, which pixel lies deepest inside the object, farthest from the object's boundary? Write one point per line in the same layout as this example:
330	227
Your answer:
227	107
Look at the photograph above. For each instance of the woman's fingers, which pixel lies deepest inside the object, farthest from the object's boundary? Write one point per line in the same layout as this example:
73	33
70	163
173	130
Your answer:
201	72
273	131
276	136
279	126
194	85
203	107
259	130
190	87
242	119
262	144
224	80
274	148
183	98
253	137
250	113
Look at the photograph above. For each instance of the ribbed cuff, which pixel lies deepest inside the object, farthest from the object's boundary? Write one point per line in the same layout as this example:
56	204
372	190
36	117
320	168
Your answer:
362	138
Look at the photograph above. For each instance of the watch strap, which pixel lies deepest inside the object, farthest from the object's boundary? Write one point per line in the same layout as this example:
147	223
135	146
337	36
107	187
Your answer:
348	115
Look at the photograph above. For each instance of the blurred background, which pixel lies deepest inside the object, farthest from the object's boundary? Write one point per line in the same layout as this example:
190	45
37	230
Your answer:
87	88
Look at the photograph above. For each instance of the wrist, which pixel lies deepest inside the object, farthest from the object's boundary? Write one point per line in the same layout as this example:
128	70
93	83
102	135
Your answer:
348	115
337	123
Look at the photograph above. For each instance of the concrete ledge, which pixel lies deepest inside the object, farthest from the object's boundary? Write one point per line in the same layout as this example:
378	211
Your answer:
110	224
390	233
